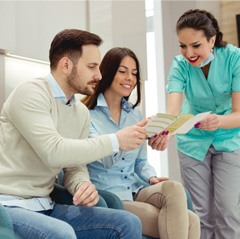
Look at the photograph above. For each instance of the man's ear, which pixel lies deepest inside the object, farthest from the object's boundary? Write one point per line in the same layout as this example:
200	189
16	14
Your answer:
66	65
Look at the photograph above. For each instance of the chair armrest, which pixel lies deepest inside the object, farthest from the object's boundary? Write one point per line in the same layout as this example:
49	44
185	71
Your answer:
111	199
5	220
6	227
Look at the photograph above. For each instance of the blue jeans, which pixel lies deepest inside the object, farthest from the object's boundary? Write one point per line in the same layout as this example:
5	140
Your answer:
75	222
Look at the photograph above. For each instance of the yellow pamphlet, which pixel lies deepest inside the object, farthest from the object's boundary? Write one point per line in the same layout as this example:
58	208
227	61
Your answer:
173	124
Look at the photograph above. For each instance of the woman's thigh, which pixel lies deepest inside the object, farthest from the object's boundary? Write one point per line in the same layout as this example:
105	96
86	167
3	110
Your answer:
165	193
148	215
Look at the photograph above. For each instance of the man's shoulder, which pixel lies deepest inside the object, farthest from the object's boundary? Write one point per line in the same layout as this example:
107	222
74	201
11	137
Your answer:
35	84
35	90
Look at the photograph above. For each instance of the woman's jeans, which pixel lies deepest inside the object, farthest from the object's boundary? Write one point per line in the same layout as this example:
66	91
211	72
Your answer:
75	222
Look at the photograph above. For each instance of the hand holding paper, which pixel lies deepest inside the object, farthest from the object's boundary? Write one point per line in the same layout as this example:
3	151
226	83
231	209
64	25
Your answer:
173	124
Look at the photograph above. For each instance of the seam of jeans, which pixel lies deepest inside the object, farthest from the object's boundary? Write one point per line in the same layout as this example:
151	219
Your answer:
98	227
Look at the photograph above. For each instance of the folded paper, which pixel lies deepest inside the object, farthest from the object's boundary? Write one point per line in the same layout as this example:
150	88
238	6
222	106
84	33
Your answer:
173	124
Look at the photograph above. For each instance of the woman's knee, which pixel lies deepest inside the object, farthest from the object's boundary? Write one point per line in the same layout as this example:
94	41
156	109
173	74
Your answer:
173	189
194	224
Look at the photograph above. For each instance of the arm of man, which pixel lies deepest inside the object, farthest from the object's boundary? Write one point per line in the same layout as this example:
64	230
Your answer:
77	182
31	113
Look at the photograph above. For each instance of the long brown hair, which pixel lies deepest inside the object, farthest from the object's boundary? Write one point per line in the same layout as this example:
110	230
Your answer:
108	69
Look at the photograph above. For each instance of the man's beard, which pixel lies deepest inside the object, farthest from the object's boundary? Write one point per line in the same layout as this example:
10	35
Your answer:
78	87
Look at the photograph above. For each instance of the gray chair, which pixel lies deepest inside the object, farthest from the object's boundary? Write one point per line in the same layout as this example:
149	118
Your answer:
6	227
107	199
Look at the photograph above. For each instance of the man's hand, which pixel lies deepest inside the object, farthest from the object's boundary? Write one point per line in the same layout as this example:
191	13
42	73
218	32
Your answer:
131	137
143	122
86	195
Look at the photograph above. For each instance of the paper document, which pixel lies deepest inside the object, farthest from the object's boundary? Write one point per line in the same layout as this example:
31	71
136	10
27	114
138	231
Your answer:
173	124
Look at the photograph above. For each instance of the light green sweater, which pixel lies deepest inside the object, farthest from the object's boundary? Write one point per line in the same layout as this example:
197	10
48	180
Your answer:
39	136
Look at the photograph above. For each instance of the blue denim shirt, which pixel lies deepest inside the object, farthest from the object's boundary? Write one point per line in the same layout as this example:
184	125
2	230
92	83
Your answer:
115	173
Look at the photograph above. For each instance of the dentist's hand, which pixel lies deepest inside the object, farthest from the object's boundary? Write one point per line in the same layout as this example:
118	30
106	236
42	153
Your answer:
210	122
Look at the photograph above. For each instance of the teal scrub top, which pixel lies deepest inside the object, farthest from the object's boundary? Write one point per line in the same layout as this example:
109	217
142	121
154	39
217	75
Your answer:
212	94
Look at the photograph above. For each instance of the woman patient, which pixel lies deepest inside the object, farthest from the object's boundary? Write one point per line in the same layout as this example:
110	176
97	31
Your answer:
162	206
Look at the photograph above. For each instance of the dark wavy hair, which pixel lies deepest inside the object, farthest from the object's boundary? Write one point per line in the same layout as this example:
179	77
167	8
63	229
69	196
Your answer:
69	43
201	20
108	68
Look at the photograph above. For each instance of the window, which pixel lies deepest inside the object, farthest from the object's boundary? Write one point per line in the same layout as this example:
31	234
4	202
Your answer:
154	86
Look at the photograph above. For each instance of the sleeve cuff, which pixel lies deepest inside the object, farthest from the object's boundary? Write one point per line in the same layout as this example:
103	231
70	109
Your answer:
115	144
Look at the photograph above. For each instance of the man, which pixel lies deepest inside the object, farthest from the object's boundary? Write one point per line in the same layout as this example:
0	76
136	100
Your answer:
43	130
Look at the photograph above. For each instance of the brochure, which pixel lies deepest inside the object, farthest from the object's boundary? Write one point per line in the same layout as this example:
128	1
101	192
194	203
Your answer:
173	124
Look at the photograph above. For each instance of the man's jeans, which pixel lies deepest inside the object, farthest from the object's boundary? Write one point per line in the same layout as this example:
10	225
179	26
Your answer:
75	222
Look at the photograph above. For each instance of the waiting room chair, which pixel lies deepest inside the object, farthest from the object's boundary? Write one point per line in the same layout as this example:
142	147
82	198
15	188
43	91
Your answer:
106	199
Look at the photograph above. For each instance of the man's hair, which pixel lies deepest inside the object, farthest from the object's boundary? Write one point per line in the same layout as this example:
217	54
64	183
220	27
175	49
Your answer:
69	43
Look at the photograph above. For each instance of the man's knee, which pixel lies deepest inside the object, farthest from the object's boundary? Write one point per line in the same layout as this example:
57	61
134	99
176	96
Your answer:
130	220
63	232
132	226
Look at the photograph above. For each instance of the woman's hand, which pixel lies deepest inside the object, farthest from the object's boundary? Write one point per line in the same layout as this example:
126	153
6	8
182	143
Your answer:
159	142
154	180
210	122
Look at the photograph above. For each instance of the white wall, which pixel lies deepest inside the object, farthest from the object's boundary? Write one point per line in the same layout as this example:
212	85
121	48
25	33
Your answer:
28	27
2	80
121	24
24	70
7	25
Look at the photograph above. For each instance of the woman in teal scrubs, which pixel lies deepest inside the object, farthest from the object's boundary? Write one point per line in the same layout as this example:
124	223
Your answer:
208	73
